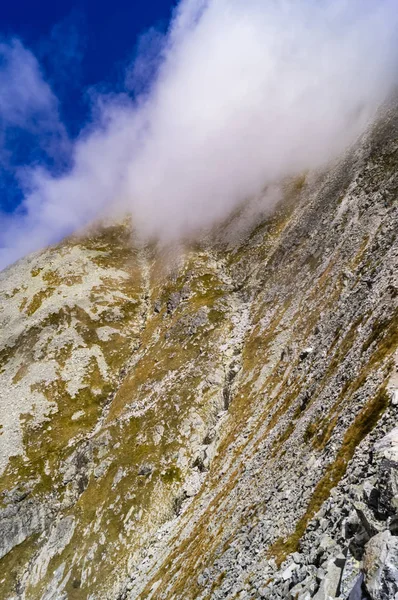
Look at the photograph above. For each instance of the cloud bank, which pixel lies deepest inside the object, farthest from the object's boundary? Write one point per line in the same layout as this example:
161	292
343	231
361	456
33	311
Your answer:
242	94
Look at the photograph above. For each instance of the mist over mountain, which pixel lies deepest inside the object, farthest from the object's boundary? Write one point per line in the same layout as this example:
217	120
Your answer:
199	339
234	98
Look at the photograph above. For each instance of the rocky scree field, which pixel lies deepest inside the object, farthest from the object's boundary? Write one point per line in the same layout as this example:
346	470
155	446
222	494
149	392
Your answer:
214	421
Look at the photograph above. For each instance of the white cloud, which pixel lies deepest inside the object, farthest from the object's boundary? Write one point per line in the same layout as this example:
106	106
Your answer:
245	93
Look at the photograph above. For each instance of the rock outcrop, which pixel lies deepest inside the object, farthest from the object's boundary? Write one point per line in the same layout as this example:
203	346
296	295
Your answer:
213	421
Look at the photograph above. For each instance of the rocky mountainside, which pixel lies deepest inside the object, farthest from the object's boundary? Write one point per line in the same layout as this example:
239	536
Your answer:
214	421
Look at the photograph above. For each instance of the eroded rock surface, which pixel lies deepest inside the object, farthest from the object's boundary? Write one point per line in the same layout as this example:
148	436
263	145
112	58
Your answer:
213	422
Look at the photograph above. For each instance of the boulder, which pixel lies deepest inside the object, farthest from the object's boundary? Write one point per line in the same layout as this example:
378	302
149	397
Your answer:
388	445
350	576
330	585
381	566
358	592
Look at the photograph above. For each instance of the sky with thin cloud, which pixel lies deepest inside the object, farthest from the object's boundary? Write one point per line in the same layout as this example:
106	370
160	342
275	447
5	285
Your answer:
228	97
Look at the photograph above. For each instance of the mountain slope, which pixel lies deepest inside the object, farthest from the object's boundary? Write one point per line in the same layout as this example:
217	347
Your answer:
179	425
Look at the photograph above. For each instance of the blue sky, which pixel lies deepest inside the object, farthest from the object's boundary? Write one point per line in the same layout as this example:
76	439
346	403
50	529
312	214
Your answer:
78	45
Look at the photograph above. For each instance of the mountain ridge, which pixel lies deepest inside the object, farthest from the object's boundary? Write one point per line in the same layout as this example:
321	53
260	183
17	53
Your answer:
204	424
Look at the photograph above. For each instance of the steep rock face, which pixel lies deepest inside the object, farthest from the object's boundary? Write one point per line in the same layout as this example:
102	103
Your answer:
115	368
207	423
313	395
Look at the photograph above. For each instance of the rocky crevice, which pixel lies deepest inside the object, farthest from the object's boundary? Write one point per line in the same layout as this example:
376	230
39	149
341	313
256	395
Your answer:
143	262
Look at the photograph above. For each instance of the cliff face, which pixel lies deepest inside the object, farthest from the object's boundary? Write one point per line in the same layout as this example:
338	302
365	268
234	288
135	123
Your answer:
209	422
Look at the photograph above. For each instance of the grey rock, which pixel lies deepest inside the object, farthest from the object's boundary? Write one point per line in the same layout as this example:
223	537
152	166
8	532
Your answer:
369	523
173	302
357	591
306	353
330	584
298	558
350	574
145	469
20	521
381	566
